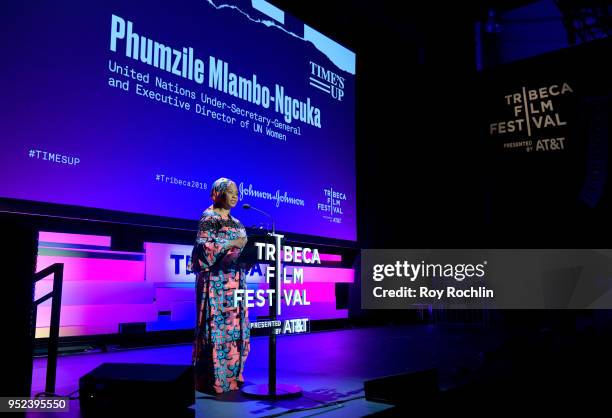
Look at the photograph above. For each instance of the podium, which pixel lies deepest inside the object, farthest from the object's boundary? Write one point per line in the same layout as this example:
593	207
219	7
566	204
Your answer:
273	389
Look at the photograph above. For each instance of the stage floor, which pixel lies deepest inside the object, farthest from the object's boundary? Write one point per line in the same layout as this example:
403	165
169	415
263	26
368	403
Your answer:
329	366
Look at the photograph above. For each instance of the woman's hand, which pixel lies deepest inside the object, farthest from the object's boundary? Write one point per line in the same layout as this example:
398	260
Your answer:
230	257
239	242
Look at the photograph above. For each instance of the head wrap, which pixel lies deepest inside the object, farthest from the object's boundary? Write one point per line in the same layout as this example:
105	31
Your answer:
218	188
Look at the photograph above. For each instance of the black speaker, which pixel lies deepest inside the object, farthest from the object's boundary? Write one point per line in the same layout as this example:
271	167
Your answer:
403	388
113	388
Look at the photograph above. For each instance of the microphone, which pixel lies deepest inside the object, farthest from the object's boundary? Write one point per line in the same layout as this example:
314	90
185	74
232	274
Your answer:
247	206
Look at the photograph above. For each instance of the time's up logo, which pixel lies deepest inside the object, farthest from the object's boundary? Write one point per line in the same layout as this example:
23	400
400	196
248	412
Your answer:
327	81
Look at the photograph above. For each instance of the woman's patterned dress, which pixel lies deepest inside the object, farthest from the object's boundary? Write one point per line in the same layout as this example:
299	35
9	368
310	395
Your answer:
221	343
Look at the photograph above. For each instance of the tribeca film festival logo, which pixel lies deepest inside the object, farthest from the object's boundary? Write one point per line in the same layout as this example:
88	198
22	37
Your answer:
407	274
264	297
292	296
332	205
180	263
535	122
327	81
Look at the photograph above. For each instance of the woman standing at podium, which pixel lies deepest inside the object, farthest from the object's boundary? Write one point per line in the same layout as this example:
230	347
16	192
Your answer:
221	341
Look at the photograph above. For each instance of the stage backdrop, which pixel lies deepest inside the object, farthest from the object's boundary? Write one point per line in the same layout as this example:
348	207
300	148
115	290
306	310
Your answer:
105	289
137	106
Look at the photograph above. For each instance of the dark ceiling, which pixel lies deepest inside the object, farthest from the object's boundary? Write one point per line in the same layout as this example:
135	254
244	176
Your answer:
351	21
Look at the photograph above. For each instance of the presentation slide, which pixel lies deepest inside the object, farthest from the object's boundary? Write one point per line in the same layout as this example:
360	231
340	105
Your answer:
138	106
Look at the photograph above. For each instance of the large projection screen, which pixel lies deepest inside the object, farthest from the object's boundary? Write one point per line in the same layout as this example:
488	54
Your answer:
138	106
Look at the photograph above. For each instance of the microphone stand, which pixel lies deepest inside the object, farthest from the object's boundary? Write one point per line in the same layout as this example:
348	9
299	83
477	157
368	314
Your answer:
272	390
247	206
